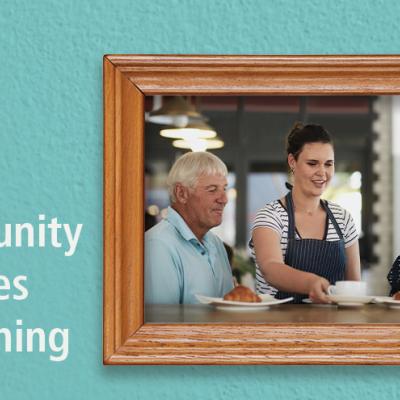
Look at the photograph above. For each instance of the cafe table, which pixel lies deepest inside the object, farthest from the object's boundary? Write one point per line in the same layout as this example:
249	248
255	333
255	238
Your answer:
276	314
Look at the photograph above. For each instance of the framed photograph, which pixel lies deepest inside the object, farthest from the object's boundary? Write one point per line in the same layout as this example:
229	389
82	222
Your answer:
134	333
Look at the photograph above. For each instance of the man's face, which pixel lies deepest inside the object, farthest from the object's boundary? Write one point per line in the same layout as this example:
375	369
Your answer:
206	202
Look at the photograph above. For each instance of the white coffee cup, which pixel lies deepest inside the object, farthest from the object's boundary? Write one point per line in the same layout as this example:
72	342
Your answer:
348	288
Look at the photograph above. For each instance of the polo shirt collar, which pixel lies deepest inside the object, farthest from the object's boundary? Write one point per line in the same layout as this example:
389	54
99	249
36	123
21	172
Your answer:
174	218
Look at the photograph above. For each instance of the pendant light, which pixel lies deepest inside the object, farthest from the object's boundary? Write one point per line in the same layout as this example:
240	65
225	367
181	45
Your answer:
174	110
196	144
194	130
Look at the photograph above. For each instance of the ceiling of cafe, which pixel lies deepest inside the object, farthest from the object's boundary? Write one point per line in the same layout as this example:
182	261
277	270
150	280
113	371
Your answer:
256	126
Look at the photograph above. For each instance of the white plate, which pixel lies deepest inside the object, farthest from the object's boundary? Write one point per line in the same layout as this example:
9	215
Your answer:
389	301
266	301
351	301
381	299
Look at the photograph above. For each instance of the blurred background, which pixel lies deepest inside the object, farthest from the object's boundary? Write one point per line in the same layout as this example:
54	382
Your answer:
248	134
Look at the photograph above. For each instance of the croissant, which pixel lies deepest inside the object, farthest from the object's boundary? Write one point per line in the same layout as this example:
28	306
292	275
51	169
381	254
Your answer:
242	293
396	296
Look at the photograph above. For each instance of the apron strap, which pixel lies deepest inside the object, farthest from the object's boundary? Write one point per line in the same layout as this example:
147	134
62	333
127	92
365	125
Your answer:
332	218
290	211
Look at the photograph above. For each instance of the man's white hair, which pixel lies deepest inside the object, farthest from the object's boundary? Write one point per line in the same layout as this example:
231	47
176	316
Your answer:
189	167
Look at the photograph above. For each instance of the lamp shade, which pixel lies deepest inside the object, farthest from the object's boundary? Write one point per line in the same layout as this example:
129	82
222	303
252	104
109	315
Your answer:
194	130
175	110
198	144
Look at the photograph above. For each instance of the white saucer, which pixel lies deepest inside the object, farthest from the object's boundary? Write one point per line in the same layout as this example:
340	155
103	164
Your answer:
381	299
226	305
351	301
309	301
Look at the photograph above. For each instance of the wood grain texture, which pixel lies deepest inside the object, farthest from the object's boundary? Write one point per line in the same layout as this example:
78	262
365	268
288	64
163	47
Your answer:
127	340
131	206
109	323
262	344
262	75
123	209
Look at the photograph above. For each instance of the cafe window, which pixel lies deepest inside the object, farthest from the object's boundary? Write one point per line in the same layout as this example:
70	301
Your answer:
263	187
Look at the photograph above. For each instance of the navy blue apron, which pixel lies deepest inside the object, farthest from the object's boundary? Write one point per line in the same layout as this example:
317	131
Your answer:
320	257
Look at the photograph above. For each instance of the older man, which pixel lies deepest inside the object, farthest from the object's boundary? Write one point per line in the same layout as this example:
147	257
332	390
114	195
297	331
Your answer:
182	258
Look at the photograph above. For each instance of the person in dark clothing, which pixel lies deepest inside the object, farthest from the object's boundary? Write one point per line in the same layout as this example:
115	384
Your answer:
394	277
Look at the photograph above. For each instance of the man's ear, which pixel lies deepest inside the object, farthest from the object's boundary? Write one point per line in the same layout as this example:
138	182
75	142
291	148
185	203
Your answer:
181	193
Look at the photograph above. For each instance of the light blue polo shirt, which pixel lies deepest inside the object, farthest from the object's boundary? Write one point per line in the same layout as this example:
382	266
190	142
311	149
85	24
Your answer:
178	265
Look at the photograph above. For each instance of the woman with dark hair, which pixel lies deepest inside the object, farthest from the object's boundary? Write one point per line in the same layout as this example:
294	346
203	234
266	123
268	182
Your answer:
301	243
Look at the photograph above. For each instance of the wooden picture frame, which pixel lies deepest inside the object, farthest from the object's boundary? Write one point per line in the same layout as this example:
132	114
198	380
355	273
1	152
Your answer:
127	339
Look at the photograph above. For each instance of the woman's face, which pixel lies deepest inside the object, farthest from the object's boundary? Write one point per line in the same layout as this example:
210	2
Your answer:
314	168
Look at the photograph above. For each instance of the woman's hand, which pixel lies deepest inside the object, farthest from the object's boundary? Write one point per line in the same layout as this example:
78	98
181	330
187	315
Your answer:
318	289
284	277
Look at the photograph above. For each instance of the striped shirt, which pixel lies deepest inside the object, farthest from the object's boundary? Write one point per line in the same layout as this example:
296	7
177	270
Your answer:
275	216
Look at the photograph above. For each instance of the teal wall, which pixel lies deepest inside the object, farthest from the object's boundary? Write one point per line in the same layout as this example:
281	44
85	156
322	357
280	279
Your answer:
51	163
